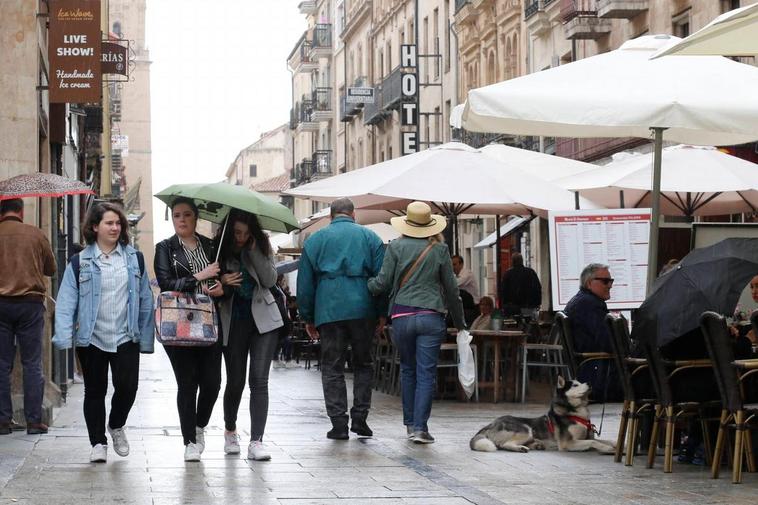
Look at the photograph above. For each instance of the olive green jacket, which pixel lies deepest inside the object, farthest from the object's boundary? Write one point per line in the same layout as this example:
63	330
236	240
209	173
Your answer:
432	284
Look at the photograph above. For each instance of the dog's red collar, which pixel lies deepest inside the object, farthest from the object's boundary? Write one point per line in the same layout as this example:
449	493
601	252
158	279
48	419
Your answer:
584	422
579	420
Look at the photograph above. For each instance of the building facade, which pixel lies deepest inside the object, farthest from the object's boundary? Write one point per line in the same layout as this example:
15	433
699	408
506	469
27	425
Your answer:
268	157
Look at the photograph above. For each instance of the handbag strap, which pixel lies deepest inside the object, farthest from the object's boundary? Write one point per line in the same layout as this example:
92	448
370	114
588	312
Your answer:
413	267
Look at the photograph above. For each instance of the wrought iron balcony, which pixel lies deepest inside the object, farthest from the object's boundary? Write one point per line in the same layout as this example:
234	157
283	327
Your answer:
348	110
373	113
460	3
535	17
581	21
322	163
392	92
620	9
303	116
321	98
321	41
300	60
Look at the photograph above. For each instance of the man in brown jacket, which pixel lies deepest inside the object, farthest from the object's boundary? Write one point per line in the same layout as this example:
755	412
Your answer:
25	259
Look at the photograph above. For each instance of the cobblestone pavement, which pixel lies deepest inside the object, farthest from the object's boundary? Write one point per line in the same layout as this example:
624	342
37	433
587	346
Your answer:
309	469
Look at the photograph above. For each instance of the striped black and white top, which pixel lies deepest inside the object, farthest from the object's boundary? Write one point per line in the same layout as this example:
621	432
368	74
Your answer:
197	261
111	326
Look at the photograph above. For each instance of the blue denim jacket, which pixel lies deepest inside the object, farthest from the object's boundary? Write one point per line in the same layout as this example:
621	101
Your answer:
77	305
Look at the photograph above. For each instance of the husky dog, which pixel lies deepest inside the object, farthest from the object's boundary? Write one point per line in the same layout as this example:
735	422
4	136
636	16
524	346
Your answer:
565	427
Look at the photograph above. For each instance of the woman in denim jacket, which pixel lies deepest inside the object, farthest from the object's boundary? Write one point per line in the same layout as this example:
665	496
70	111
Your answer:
106	312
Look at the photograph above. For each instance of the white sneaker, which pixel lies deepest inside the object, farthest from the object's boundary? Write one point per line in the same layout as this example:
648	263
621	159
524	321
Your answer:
231	442
98	454
257	452
191	452
120	443
200	438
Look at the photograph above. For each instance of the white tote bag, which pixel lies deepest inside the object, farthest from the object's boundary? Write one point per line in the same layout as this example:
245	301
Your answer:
466	364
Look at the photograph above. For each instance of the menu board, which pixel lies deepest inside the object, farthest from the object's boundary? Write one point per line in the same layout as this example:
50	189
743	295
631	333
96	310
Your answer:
618	238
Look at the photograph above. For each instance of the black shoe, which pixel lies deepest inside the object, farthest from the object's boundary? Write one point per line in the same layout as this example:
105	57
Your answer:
36	429
360	428
338	433
5	428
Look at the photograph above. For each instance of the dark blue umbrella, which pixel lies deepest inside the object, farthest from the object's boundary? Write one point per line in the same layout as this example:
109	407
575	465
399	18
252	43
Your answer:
709	278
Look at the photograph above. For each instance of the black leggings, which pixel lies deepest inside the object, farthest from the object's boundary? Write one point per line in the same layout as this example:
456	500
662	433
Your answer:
245	340
124	364
195	368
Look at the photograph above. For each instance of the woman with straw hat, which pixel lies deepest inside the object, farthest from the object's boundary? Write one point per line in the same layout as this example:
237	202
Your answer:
418	274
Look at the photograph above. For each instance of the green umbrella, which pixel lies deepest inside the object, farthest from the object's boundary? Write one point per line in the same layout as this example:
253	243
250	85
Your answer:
216	200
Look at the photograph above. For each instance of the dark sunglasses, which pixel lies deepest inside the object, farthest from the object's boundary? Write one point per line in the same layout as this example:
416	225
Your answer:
605	280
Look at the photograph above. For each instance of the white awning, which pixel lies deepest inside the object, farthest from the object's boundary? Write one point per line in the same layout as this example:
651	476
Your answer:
512	225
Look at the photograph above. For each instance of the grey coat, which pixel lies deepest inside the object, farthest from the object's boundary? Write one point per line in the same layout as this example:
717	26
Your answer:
264	308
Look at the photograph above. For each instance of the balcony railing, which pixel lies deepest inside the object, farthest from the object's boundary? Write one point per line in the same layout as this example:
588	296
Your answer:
302	113
459	4
322	163
571	9
373	112
530	8
392	92
322	37
321	99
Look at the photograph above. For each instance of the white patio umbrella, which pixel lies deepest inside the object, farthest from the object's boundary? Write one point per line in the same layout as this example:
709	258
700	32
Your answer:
544	166
695	181
452	177
362	216
734	33
622	93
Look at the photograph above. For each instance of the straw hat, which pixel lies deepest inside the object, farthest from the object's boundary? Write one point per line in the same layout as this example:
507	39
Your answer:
419	222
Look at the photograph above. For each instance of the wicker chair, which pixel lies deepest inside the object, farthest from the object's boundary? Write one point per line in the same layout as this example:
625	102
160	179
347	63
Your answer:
630	371
575	360
730	376
669	409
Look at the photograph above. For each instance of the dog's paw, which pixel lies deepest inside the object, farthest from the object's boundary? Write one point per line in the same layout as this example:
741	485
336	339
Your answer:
523	448
538	446
607	449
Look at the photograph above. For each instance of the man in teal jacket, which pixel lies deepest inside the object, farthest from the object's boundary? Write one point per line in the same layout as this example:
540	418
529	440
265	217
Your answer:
335	303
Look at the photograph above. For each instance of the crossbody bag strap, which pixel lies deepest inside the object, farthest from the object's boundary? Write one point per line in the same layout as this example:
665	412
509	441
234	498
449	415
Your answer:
413	267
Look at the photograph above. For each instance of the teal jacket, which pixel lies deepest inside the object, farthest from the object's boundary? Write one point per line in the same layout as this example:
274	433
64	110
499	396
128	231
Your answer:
432	285
335	266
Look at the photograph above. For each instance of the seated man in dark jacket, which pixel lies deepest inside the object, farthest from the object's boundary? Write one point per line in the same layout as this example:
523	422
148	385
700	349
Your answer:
520	288
586	312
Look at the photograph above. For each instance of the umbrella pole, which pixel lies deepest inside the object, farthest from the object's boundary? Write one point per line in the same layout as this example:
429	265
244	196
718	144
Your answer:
497	260
655	198
221	242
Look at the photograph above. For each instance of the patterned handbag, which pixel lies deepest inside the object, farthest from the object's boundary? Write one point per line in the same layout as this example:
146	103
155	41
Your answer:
185	319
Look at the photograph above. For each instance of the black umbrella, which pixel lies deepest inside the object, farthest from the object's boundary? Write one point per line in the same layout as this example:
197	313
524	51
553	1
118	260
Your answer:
710	278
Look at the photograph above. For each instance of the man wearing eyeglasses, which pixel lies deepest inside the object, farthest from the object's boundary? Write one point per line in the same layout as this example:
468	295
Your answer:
586	312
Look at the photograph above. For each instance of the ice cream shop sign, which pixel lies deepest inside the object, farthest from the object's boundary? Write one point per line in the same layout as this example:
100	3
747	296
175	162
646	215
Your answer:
75	51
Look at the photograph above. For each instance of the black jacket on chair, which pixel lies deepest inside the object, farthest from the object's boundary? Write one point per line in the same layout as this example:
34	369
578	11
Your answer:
172	268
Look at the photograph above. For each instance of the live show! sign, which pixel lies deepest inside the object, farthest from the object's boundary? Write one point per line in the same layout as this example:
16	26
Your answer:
74	51
618	238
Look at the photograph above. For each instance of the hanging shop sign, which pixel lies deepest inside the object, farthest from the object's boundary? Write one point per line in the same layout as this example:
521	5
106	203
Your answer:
115	59
409	90
74	51
360	95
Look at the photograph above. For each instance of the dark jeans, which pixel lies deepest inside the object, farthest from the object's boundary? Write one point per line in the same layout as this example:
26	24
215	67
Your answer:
245	340
418	339
21	323
124	365
195	368
335	337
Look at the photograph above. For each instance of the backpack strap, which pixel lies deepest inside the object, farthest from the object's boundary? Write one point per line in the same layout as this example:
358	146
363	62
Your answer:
75	262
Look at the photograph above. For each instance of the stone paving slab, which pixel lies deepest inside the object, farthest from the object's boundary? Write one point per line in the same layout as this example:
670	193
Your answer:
308	469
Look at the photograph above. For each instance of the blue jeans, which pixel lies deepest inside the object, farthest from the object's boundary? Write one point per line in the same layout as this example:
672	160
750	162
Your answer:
418	339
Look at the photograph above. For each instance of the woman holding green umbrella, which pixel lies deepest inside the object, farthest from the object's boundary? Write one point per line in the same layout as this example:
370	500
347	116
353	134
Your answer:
185	262
250	322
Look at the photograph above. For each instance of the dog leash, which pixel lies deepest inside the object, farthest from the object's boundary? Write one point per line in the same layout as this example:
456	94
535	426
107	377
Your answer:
599	431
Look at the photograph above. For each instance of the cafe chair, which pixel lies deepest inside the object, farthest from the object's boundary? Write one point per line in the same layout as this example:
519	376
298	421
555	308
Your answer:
668	376
449	358
575	360
633	372
540	351
730	377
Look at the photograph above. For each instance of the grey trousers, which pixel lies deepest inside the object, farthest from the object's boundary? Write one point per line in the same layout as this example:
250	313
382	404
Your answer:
335	338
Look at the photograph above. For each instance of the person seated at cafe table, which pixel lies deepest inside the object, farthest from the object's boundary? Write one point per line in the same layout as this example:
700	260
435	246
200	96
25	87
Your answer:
484	320
586	312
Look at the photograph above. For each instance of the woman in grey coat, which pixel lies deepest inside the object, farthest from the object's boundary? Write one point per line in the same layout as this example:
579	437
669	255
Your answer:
250	320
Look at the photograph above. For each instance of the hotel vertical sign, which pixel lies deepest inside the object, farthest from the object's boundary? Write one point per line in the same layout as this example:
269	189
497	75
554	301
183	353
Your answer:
409	141
74	51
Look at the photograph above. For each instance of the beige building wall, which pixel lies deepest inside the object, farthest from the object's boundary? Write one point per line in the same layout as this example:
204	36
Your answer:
127	17
270	155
